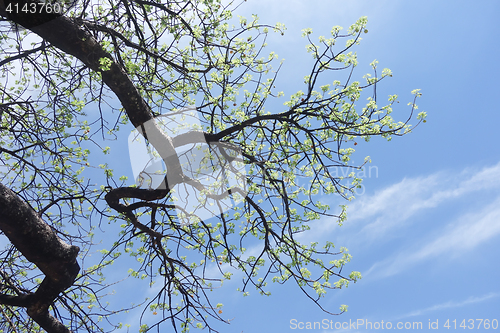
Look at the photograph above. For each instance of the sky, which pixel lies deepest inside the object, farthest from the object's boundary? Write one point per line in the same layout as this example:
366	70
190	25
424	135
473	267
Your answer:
424	230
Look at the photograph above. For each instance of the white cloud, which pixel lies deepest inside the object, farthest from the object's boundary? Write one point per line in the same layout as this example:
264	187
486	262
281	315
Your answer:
372	219
392	207
450	304
387	209
465	234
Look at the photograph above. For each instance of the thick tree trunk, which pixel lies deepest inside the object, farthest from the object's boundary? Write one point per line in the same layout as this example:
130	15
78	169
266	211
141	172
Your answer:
25	229
65	34
40	245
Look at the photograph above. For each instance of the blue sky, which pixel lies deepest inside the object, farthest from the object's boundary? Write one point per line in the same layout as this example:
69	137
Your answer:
425	232
425	229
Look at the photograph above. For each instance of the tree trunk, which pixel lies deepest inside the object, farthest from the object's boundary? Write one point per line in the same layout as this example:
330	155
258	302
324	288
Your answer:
40	245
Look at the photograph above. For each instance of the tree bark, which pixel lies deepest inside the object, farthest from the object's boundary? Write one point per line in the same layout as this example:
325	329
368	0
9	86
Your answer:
40	245
20	223
68	36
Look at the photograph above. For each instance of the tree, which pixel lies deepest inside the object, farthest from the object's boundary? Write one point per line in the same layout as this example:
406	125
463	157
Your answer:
73	73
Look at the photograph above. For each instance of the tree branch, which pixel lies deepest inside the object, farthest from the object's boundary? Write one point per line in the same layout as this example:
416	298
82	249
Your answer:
40	245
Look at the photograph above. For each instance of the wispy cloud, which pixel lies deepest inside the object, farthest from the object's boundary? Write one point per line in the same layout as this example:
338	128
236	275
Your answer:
391	207
394	210
450	304
470	231
409	197
372	217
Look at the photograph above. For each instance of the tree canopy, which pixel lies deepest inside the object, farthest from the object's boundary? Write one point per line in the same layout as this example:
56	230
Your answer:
75	74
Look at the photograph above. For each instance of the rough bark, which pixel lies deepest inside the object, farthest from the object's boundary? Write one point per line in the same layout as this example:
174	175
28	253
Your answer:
40	245
21	224
69	36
